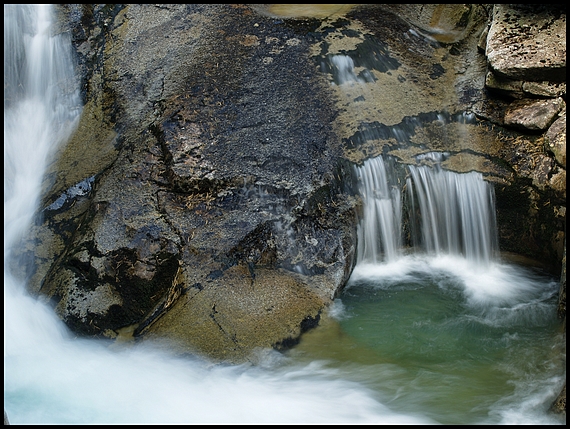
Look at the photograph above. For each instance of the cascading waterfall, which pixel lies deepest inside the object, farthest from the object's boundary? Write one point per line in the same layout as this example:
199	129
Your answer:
41	109
379	232
457	213
450	213
41	106
422	353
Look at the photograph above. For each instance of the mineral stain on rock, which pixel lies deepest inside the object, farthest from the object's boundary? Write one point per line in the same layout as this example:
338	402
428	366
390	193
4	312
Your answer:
215	202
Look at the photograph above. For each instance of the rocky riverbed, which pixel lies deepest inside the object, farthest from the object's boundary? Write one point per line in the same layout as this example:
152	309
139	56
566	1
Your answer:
207	197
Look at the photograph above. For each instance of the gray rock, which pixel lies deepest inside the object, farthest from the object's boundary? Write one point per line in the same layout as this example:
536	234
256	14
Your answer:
535	115
556	140
528	43
227	177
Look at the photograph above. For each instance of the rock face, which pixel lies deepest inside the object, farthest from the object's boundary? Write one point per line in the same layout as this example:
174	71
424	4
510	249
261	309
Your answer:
525	48
207	198
528	42
526	51
221	220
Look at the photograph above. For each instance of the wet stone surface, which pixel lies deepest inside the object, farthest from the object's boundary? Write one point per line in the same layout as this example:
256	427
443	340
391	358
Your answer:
219	210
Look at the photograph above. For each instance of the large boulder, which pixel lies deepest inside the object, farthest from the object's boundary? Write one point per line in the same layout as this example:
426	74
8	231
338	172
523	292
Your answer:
214	210
207	198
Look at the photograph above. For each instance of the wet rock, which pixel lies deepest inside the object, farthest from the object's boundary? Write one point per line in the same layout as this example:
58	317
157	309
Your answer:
446	23
526	55
559	405
556	140
528	43
228	314
535	115
226	171
221	140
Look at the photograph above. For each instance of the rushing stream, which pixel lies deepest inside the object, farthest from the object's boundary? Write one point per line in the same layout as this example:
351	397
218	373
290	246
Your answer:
447	334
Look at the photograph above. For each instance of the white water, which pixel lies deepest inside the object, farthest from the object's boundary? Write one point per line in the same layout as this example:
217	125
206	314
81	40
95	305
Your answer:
457	233
457	213
450	213
52	377
447	303
39	109
344	69
379	236
446	339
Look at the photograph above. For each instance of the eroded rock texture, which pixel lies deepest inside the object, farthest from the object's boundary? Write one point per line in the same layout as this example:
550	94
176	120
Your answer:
207	198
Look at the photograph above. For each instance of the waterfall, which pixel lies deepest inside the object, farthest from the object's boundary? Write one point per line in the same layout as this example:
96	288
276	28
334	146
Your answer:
457	213
379	232
450	213
41	108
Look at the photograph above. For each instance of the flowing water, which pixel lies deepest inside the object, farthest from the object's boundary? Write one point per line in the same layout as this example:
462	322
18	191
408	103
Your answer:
444	330
443	335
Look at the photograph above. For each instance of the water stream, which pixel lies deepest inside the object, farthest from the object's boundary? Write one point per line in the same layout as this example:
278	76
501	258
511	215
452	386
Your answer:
445	329
417	337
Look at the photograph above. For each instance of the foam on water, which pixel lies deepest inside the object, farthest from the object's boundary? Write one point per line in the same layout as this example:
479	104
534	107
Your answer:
52	378
482	339
492	285
496	285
